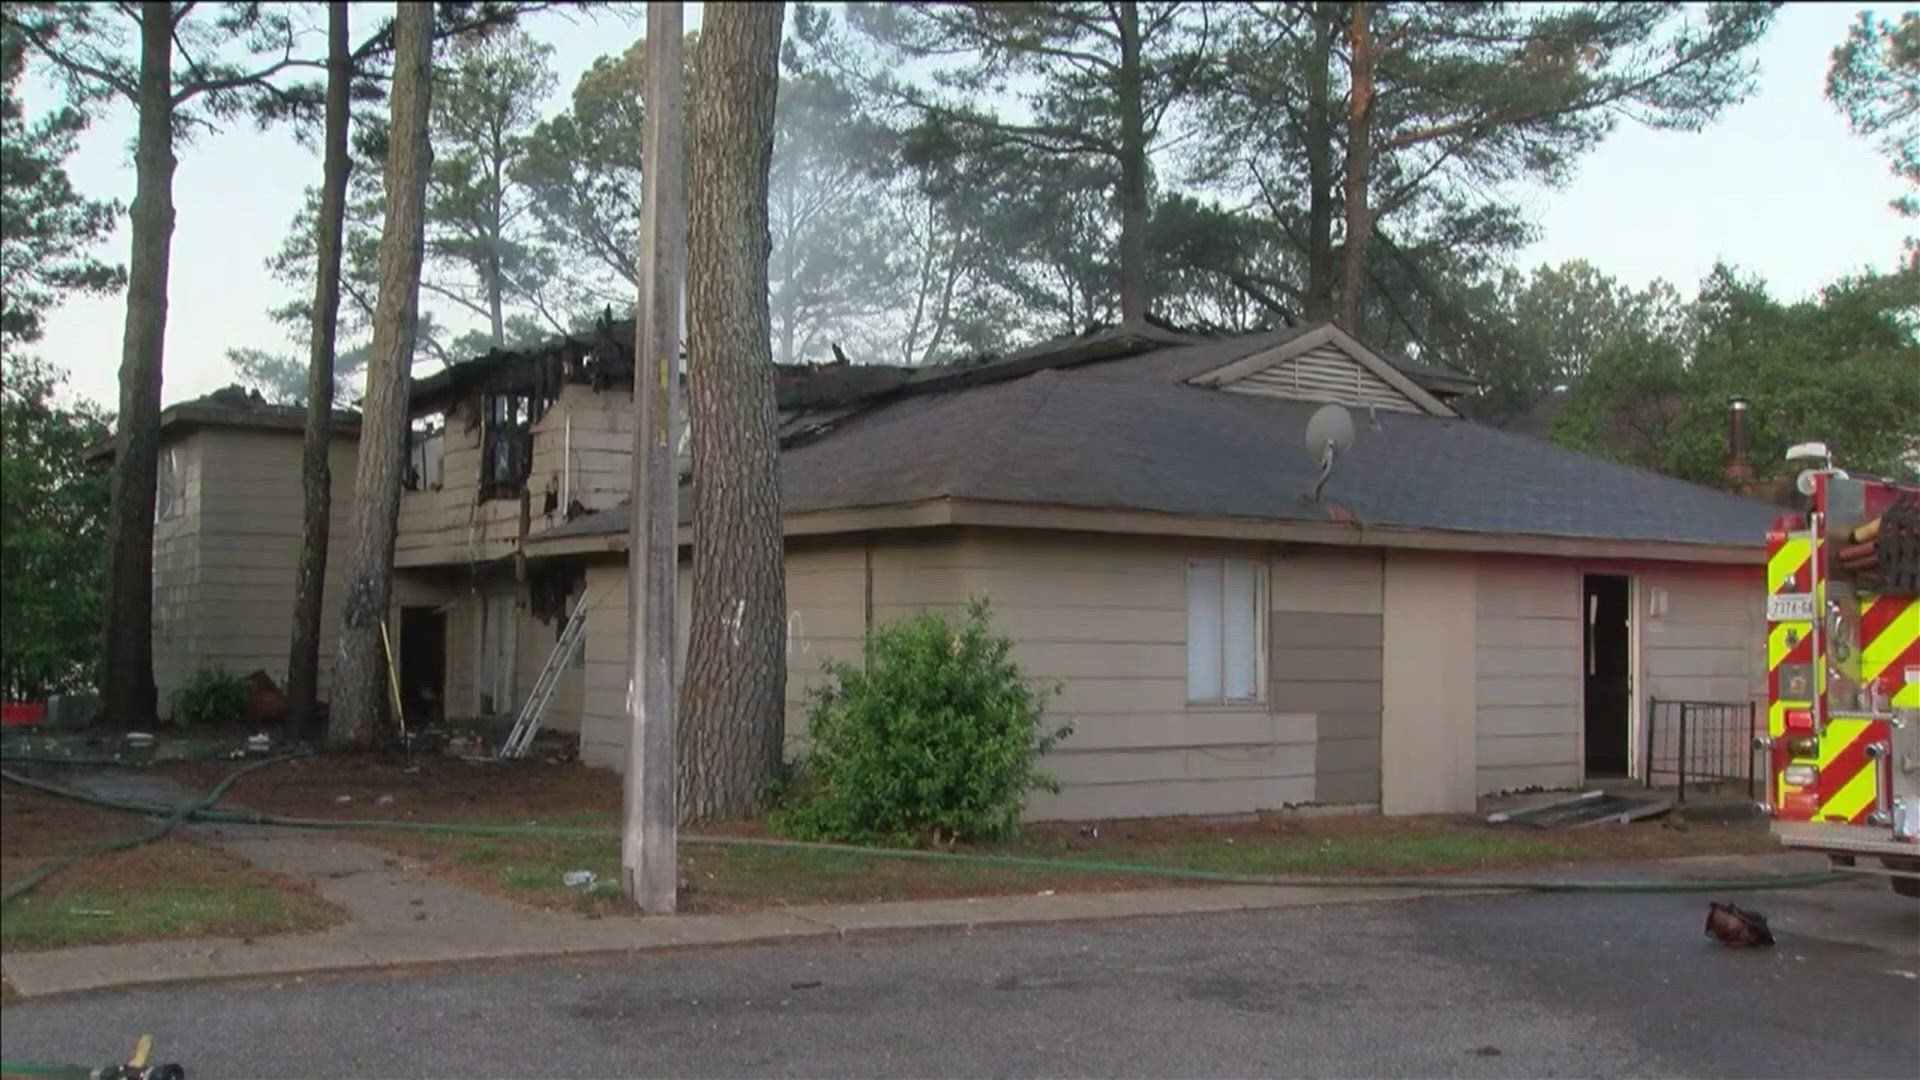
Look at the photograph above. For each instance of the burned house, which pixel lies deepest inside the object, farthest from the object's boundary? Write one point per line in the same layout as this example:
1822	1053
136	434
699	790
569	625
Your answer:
1453	610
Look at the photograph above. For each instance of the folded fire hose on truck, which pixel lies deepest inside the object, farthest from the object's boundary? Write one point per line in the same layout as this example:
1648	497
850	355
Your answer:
204	810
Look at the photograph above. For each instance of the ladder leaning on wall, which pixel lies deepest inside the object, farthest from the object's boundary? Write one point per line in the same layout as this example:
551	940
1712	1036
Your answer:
534	711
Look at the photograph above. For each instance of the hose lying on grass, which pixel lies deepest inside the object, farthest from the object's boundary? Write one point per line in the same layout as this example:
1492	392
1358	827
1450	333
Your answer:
176	815
204	810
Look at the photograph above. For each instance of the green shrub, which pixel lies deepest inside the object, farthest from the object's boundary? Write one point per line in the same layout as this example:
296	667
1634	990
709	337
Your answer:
209	697
936	739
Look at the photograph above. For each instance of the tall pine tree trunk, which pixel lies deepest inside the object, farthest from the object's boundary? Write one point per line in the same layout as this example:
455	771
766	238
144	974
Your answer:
1323	269
1353	280
360	675
316	477
496	303
1134	295
734	693
126	678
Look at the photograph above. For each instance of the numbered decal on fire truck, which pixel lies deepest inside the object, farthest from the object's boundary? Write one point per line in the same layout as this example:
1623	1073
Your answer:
1790	607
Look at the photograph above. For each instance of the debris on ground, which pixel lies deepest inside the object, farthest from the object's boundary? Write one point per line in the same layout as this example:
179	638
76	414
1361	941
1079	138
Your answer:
1582	811
266	703
578	879
1736	927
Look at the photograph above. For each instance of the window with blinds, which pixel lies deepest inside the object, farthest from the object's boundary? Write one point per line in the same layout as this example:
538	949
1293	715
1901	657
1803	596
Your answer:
1223	631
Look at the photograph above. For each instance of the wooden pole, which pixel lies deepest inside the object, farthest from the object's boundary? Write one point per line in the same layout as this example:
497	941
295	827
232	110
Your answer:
650	841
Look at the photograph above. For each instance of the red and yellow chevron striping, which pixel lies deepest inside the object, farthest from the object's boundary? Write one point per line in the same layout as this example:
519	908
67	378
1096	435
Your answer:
1848	777
1890	643
1845	780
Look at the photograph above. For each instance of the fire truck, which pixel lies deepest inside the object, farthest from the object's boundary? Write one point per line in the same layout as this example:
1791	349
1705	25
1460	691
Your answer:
1843	661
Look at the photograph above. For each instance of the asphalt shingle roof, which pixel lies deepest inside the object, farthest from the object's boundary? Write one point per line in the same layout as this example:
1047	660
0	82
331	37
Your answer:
1130	434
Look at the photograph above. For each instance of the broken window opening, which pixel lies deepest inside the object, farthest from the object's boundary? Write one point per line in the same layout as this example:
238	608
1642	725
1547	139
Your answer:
426	455
506	451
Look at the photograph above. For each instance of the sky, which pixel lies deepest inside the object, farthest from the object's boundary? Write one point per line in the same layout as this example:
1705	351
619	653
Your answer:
1778	187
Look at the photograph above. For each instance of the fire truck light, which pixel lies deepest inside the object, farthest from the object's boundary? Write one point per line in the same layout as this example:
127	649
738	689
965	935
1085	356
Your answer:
1800	775
1799	720
1803	746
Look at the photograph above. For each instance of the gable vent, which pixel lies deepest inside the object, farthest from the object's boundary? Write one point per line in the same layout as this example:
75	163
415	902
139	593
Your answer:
1325	373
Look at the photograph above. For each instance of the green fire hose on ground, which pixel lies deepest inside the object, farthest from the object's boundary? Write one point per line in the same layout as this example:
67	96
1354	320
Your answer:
175	816
205	811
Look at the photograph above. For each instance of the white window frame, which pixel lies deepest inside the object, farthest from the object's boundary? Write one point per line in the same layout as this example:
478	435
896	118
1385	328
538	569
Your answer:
171	488
1221	700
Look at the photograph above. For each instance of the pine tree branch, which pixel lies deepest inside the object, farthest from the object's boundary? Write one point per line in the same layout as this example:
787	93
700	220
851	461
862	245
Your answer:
1476	126
43	44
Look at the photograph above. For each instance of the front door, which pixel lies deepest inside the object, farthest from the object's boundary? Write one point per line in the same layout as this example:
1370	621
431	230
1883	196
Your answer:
423	664
1607	662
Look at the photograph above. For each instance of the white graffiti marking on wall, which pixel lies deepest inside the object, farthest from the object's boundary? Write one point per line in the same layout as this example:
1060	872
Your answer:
796	628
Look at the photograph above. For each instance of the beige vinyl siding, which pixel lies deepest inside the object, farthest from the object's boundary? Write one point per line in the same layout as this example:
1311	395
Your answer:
827	601
591	429
1106	616
1429	691
1097	613
1709	645
463	630
603	698
1448	676
595	431
176	574
826	615
1326	636
1527	669
1326	373
230	558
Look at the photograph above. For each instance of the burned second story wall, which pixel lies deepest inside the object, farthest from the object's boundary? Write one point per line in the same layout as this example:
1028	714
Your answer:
495	457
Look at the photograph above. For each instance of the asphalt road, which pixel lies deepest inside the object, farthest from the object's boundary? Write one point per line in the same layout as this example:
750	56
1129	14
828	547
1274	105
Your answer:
1521	986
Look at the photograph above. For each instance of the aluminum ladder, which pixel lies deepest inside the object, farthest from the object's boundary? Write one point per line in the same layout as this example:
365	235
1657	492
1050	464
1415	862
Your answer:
534	711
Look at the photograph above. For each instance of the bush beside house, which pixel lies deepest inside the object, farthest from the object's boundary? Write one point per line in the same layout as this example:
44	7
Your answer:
938	738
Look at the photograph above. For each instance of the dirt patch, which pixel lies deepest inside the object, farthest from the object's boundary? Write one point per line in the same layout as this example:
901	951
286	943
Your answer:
384	785
169	888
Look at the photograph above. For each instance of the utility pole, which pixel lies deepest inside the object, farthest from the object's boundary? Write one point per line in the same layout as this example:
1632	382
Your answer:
650	840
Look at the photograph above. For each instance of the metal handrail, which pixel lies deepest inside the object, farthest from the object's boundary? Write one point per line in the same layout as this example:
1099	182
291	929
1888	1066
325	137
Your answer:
1713	740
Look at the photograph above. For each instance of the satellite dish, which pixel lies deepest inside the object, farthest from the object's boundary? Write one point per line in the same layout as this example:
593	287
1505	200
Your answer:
1329	434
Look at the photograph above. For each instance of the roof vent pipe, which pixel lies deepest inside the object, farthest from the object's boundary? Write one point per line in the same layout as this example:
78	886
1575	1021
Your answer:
1739	463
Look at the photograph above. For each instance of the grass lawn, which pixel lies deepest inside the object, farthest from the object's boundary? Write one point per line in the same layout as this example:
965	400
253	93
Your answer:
171	888
713	879
733	879
716	878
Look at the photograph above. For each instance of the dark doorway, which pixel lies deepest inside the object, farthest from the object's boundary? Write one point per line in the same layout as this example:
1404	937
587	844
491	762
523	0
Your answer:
1607	659
423	664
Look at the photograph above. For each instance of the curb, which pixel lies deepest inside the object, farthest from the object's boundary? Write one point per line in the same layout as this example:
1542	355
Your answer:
37	977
